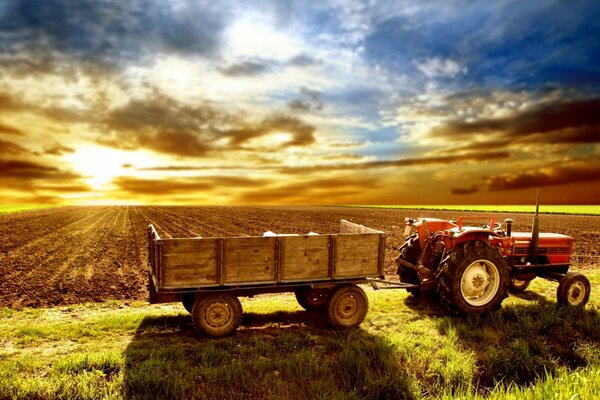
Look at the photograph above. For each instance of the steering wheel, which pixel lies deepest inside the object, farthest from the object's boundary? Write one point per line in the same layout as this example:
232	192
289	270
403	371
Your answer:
497	226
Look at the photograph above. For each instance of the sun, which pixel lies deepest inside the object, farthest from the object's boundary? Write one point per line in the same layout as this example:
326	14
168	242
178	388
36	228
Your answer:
100	165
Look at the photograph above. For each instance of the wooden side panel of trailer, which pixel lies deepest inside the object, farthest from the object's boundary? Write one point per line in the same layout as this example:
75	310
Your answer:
304	257
249	259
356	255
190	262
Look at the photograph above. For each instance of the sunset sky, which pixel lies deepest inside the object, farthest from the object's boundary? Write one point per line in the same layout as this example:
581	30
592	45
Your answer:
290	102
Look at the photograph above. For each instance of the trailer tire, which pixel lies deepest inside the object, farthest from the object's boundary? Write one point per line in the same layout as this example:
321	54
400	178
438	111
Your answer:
410	252
347	307
188	300
474	278
312	299
216	315
573	290
517	285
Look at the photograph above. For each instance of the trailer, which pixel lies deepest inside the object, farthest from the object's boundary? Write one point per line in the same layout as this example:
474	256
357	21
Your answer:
323	270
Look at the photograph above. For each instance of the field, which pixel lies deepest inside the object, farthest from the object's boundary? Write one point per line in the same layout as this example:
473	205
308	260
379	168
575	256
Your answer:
75	257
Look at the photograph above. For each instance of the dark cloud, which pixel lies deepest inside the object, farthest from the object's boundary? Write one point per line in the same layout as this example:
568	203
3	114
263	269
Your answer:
64	188
547	176
38	35
566	122
9	130
187	185
302	133
246	68
476	157
28	170
319	191
311	100
303	60
58	150
7	147
463	191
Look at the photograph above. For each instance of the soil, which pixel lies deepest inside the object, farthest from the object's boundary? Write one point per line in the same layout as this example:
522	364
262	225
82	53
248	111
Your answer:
77	254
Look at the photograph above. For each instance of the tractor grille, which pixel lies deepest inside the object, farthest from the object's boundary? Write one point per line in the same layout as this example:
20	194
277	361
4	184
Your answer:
523	251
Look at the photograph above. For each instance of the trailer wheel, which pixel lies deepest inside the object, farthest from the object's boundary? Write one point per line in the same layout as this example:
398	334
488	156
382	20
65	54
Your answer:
517	285
410	252
347	307
217	315
473	279
312	299
188	301
573	290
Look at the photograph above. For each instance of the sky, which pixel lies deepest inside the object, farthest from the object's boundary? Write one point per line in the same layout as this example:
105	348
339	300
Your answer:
291	102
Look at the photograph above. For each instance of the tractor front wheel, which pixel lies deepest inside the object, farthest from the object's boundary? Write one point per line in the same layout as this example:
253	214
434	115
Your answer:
474	278
410	252
573	290
216	315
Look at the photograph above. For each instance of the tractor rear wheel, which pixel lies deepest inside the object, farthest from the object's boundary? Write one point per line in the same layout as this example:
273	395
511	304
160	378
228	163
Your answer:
347	307
474	278
573	290
312	299
216	315
410	252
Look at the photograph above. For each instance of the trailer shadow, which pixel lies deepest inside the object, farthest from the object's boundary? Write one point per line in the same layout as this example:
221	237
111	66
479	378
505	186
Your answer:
518	344
275	355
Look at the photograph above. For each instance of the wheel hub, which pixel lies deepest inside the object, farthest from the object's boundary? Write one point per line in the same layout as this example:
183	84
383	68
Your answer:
576	293
347	307
217	314
479	282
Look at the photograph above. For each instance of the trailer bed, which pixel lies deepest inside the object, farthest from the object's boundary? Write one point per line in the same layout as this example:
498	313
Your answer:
273	263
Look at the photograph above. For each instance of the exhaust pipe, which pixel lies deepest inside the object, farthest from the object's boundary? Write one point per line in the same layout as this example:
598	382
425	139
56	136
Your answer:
509	223
535	229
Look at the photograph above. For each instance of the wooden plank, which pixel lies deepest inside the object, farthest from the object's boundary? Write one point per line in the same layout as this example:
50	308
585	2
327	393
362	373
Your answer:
304	257
357	255
190	262
249	259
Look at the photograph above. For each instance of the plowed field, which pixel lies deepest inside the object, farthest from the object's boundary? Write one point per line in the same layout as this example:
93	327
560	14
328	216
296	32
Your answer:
77	254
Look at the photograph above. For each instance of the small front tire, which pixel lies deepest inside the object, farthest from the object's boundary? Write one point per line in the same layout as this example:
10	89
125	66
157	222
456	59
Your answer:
217	315
347	307
573	290
312	299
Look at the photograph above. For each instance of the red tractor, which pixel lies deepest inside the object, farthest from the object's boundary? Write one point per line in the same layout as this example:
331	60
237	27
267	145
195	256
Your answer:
473	268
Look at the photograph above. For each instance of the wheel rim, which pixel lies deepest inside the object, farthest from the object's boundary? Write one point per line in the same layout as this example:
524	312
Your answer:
480	282
218	315
347	308
576	293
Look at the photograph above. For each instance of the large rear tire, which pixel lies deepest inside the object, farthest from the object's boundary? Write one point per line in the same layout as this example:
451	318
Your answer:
474	278
347	307
216	315
410	252
573	290
312	299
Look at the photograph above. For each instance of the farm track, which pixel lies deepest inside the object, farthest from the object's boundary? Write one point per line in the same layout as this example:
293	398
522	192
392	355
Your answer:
75	254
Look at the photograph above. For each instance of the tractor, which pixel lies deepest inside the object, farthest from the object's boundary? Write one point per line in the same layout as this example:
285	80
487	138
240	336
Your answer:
472	268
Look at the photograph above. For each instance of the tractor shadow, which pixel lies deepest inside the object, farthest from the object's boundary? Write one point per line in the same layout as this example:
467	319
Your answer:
518	344
271	355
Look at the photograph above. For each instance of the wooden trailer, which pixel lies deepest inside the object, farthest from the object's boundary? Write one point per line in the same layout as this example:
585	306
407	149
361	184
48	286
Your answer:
209	274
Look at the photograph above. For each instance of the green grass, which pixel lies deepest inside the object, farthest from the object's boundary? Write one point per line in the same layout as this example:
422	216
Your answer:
23	207
545	209
405	349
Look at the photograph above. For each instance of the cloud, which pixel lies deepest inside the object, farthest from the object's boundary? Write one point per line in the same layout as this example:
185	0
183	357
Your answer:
247	68
311	100
406	162
9	130
574	172
303	60
568	122
437	67
41	35
7	147
183	185
464	191
28	170
302	134
58	150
